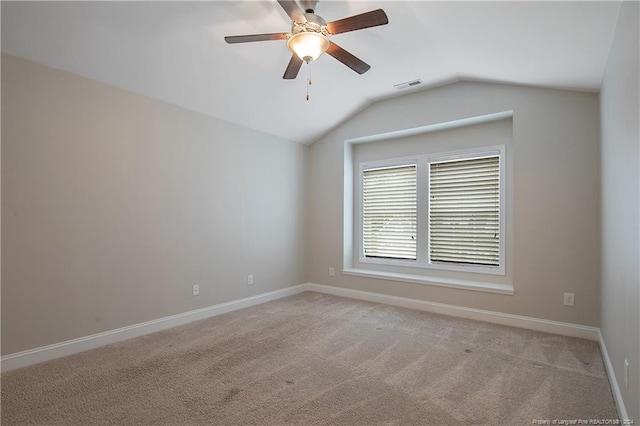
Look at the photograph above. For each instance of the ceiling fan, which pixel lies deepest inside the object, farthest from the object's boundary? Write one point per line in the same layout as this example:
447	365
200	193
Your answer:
309	37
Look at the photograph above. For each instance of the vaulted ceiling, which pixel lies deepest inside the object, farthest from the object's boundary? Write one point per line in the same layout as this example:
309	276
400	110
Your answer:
175	52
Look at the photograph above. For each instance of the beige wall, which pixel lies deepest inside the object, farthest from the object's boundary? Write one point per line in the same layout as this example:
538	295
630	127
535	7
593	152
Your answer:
556	196
621	206
114	205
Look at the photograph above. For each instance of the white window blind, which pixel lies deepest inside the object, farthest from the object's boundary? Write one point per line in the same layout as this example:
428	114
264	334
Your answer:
464	211
389	212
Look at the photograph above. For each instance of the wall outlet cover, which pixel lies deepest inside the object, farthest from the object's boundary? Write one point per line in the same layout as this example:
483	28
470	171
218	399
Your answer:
569	299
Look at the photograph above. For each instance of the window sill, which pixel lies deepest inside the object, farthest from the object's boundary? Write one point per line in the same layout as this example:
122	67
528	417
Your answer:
436	281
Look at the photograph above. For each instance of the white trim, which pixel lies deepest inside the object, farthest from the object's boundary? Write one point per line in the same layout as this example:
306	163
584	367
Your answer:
69	347
530	323
431	280
462	122
617	394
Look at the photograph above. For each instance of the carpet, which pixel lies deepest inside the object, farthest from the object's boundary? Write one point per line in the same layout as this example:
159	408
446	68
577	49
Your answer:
315	359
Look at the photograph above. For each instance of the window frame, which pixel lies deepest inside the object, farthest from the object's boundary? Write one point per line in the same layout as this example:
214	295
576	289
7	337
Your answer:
386	167
422	162
406	161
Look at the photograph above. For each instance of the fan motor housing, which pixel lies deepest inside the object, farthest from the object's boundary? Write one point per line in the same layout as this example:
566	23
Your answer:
314	24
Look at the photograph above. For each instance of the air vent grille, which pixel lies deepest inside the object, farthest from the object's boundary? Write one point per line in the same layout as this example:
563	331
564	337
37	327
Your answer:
408	84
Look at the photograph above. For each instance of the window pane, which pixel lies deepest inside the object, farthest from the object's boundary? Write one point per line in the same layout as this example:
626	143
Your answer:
464	211
389	212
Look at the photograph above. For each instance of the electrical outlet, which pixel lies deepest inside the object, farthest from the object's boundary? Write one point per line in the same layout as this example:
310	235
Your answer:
195	290
332	271
569	299
626	373
250	280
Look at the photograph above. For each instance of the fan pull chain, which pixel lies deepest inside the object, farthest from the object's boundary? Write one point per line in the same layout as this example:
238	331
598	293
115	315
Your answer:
308	78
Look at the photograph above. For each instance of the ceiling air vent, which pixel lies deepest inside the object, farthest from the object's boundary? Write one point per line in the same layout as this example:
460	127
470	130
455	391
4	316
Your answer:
408	84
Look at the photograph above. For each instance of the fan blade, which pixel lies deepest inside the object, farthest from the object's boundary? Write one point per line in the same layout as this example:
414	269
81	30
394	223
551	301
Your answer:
293	10
293	68
358	22
255	37
348	59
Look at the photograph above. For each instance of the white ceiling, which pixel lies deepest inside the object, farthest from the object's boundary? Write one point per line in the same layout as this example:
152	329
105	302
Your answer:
175	52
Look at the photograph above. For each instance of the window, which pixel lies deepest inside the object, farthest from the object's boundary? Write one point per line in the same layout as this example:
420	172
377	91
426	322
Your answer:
389	212
440	211
464	211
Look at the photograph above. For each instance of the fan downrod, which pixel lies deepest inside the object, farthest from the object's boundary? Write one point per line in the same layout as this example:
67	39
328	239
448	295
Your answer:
309	6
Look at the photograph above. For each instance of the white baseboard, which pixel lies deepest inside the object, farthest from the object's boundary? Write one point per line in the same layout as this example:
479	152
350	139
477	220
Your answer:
530	323
617	395
69	347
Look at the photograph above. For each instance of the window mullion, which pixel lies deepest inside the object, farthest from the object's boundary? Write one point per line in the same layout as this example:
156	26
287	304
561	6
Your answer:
422	226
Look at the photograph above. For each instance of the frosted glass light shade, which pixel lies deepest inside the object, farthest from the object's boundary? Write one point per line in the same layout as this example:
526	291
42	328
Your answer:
308	45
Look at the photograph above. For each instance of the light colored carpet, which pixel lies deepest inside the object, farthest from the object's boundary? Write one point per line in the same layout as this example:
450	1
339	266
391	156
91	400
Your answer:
318	359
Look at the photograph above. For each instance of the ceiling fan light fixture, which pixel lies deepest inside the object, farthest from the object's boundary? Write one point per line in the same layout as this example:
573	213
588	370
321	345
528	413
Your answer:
309	36
308	45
